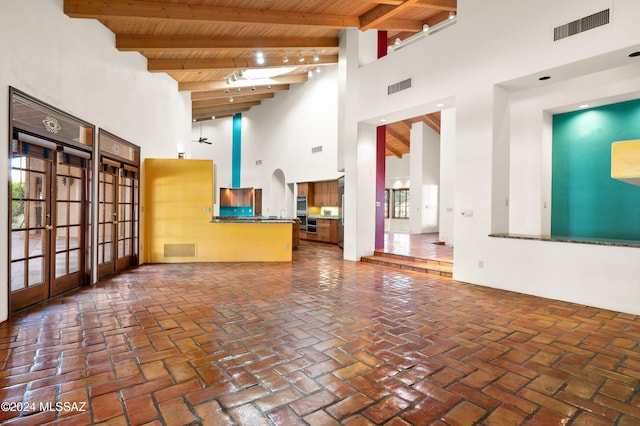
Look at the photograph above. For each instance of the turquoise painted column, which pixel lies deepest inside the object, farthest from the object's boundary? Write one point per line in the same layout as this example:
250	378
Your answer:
236	151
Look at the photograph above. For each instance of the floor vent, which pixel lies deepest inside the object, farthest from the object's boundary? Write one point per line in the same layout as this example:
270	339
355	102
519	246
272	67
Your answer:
401	85
581	25
316	149
179	250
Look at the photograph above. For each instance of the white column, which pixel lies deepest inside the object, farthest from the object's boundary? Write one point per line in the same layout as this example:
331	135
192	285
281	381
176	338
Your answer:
356	149
447	174
424	179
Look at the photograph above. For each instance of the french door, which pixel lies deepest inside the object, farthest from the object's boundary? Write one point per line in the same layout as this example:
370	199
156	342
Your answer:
49	219
117	217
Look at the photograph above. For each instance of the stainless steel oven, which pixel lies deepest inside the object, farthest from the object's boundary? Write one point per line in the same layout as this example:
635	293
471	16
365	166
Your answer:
312	225
301	206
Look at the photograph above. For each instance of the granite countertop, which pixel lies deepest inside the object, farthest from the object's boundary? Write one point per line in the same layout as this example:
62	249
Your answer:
595	241
320	216
252	219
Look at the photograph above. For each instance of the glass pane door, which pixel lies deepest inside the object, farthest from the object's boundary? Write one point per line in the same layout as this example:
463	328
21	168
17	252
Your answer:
107	219
70	213
30	230
117	219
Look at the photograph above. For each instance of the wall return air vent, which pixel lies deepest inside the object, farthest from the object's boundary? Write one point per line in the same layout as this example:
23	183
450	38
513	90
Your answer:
581	25
397	87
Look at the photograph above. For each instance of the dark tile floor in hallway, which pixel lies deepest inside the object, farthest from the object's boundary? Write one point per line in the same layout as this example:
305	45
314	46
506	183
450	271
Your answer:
320	342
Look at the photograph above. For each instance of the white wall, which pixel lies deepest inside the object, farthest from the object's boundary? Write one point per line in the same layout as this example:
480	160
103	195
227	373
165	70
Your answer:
281	134
447	175
425	179
488	65
72	64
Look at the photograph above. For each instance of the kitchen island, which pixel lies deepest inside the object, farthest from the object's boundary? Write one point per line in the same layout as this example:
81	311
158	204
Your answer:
178	226
255	238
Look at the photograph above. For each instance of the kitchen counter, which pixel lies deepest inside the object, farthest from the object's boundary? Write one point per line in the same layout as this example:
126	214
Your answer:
319	216
252	219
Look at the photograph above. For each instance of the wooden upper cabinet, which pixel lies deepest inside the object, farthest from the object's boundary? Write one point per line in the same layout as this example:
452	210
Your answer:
306	189
326	193
320	194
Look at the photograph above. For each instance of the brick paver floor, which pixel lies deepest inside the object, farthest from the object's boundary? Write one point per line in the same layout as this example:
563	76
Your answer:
318	341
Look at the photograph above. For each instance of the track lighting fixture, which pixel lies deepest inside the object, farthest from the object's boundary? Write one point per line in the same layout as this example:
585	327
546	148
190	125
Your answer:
427	30
260	57
310	73
316	58
300	57
285	58
233	77
228	79
231	99
318	70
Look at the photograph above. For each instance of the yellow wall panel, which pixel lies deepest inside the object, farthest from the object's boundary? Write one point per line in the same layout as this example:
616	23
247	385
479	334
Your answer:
178	211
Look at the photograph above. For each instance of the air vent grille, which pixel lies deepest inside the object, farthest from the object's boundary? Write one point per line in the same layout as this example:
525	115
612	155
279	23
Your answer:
581	25
397	87
179	250
316	149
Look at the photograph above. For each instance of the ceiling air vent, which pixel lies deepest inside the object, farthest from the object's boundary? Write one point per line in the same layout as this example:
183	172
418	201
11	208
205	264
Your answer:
401	85
581	25
316	149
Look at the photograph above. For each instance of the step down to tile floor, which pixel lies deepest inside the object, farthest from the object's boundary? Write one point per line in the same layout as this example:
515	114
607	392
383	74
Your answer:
412	263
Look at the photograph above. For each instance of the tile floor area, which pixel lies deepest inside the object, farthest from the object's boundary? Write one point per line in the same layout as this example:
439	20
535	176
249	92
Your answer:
320	342
417	245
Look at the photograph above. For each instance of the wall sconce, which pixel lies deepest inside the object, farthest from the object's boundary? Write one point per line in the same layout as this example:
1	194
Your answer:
181	156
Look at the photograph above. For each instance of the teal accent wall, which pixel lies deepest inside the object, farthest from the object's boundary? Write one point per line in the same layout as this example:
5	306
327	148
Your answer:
586	201
236	151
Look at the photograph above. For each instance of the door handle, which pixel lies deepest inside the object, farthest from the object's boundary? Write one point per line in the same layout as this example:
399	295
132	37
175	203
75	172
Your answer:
48	227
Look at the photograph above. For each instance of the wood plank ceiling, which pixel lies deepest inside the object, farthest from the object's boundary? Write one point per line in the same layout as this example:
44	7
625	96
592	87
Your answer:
212	48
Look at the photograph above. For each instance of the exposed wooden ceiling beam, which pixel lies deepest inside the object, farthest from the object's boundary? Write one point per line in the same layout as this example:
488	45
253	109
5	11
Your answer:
382	12
147	43
164	11
212	94
438	17
217	85
448	5
400	25
229	106
432	122
224	100
393	151
399	137
230	64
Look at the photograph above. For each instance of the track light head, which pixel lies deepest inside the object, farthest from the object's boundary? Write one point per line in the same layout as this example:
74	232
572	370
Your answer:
285	58
316	58
452	15
300	57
